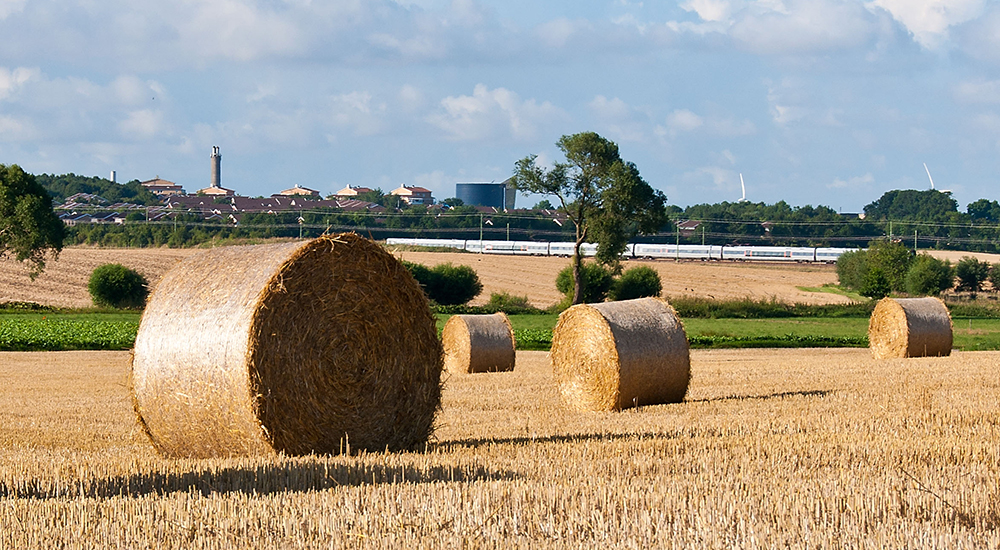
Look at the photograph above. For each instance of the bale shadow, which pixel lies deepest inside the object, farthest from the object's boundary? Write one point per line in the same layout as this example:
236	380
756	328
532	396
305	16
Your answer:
780	395
261	480
562	438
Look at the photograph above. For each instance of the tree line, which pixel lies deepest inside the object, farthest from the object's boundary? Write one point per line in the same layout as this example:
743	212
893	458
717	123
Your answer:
888	267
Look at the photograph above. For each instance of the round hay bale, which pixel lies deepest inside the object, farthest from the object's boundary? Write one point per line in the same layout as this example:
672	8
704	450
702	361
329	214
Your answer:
478	343
294	348
910	327
614	355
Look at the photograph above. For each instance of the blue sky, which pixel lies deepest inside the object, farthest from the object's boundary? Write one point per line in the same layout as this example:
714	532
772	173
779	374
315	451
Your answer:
828	102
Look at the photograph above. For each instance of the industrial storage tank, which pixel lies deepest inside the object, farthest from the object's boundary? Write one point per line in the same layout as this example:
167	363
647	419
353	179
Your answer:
482	194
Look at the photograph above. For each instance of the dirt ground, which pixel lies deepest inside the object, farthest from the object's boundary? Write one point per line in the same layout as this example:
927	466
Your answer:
955	255
64	282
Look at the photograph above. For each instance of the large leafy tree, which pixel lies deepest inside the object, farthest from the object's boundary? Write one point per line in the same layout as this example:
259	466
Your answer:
605	197
29	228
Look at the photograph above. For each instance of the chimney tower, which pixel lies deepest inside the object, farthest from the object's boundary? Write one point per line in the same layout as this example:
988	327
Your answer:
216	167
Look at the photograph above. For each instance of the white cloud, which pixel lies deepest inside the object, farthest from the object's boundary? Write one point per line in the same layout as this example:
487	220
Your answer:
803	26
786	99
410	98
981	37
930	20
437	182
8	7
620	121
13	130
142	124
853	183
358	111
722	179
558	32
713	10
236	30
131	90
978	92
683	120
492	113
264	91
13	80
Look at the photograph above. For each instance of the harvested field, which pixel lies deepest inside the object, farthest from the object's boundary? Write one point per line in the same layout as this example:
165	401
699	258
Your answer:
536	276
803	448
64	282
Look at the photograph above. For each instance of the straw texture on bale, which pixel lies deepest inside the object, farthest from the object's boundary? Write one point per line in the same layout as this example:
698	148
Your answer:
478	343
614	355
293	348
910	327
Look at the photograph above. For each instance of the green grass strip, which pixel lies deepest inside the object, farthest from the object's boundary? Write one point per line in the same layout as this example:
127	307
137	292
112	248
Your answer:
62	335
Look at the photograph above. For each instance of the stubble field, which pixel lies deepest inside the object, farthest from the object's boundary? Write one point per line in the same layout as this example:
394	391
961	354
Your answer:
793	448
799	448
64	282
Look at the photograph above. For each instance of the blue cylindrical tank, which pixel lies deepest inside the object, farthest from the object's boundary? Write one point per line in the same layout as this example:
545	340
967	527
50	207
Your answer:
481	194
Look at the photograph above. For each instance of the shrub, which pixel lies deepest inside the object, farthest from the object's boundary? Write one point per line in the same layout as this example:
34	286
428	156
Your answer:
595	279
928	276
637	282
454	284
447	284
507	303
420	272
114	285
971	273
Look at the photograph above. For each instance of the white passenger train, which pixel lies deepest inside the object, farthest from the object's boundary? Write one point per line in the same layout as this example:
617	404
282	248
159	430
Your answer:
639	250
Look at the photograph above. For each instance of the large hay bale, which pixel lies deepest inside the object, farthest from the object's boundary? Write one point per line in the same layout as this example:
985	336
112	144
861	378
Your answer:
478	343
910	327
294	348
614	355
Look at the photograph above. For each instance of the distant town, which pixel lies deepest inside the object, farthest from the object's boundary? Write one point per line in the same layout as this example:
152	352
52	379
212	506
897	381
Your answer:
216	202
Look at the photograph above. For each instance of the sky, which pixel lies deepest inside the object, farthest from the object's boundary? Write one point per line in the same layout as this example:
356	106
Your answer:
814	102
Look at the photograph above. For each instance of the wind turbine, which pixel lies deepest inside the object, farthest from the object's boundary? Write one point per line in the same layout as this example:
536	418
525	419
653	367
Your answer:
744	188
932	179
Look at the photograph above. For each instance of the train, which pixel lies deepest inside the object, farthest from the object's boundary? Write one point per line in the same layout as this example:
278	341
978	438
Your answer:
639	250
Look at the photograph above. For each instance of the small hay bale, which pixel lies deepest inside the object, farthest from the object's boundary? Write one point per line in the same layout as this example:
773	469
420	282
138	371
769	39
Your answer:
910	327
615	355
478	343
293	348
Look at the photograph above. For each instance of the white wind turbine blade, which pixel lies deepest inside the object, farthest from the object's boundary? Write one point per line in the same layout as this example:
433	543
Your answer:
929	175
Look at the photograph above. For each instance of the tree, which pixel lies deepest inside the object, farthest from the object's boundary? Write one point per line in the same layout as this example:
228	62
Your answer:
602	195
984	210
971	273
543	204
851	268
995	277
875	284
892	259
453	202
909	204
29	228
929	276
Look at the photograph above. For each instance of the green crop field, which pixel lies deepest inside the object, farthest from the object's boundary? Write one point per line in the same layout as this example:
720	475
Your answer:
116	330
